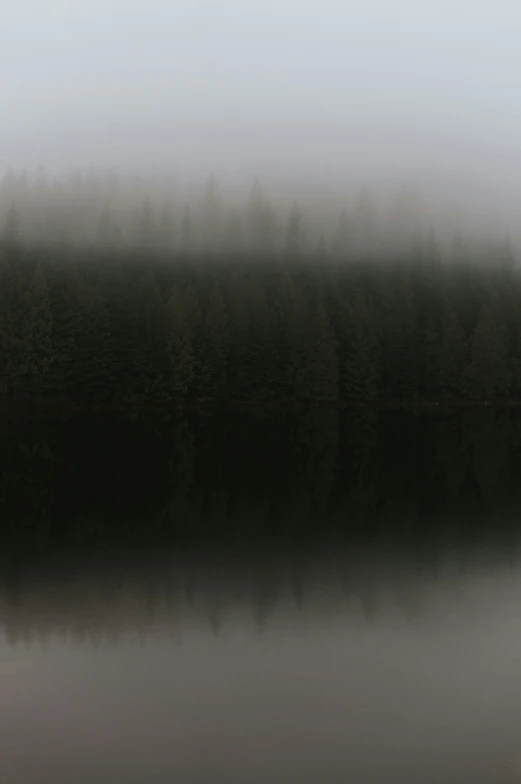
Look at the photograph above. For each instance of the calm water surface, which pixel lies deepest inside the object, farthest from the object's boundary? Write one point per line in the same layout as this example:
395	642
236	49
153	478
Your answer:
378	640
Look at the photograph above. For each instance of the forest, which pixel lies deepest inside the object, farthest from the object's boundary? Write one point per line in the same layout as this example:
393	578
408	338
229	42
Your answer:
212	306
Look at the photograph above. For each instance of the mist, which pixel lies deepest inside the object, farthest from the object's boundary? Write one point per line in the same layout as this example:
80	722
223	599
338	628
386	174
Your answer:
314	97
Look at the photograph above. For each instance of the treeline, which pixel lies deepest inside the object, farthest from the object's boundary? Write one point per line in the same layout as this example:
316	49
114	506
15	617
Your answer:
81	326
119	211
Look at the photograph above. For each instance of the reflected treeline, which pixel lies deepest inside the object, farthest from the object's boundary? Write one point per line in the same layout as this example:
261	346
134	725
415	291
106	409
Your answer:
99	599
241	514
364	475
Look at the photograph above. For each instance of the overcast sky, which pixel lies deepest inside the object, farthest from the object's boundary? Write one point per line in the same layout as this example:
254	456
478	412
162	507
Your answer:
374	86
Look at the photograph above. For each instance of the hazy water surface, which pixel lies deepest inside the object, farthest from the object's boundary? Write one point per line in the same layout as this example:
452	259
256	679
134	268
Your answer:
386	649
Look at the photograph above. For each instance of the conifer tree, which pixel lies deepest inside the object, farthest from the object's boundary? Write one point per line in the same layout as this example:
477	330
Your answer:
10	233
181	349
361	365
295	239
489	370
166	226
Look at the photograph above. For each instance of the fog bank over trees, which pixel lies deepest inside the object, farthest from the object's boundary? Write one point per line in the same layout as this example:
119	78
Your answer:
322	97
173	208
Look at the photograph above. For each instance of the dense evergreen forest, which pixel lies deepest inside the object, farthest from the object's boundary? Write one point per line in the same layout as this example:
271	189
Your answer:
167	315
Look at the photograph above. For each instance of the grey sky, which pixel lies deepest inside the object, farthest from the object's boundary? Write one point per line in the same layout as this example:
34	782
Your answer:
372	86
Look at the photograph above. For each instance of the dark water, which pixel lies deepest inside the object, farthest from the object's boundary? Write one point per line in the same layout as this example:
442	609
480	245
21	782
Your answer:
322	598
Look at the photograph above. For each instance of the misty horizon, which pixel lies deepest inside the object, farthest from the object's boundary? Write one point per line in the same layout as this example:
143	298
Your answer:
323	98
72	203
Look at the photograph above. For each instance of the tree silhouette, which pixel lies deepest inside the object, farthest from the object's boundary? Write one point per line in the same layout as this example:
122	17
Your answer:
10	233
295	239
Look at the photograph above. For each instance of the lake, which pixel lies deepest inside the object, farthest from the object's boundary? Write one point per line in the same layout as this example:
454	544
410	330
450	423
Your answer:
322	597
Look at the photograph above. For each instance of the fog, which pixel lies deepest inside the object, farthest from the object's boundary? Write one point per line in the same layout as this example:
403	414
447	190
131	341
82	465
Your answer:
132	669
303	93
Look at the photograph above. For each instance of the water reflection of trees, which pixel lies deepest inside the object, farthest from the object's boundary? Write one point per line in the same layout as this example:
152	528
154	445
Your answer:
87	604
383	481
154	480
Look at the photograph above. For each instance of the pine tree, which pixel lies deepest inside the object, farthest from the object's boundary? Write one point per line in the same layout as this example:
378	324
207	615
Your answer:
321	248
196	328
344	235
431	366
240	377
399	348
234	233
361	370
106	230
10	233
27	336
81	340
42	326
506	256
186	227
13	326
213	379
261	221
364	223
405	226
254	344
452	357
147	227
313	360
295	235
489	370
180	346
295	338
166	226
321	376
255	215
213	214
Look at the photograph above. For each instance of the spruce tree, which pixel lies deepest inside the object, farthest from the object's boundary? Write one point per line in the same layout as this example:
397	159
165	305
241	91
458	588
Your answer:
295	239
361	364
489	370
180	347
